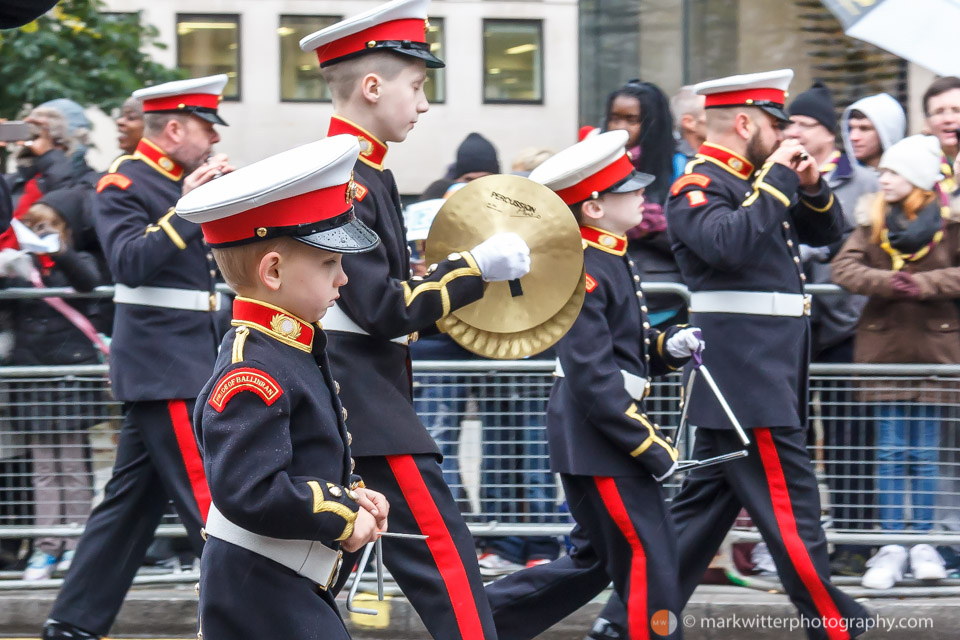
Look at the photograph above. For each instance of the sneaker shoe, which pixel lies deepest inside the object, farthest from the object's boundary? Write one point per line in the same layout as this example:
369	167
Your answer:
848	563
492	564
762	560
56	630
885	568
40	567
65	561
926	563
605	630
536	562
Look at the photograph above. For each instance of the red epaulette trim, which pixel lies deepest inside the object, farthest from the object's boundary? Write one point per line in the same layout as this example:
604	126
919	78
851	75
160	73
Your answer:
245	379
115	179
698	179
591	283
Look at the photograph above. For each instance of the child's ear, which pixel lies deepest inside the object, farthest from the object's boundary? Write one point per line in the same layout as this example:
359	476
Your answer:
269	270
592	209
370	86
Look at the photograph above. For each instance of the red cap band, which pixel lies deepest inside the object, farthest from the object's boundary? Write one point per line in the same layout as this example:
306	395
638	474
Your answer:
314	206
412	29
603	179
734	98
170	103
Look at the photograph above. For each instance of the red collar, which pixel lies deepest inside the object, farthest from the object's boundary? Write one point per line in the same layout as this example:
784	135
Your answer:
729	160
372	150
274	322
156	158
604	240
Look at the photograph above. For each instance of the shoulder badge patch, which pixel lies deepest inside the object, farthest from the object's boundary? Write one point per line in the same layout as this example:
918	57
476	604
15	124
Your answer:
361	192
116	179
245	379
591	284
696	198
686	180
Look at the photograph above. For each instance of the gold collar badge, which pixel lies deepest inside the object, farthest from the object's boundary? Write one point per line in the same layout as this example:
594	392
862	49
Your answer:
608	241
351	190
285	326
166	163
736	164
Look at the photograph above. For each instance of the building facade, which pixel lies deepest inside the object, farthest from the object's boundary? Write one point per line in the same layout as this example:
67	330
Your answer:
511	74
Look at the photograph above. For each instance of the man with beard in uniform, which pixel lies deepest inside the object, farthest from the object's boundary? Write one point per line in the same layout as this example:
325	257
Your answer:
737	218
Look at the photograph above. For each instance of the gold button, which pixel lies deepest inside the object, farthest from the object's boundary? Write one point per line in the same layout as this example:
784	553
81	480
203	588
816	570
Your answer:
336	491
636	278
417	278
639	294
213	273
349	438
669	440
644	308
196	589
343	410
261	232
789	243
203	534
631	263
646	340
454	256
432	268
803	278
336	387
647	387
371	44
352	495
796	259
353	465
646	325
786	225
413	337
213	301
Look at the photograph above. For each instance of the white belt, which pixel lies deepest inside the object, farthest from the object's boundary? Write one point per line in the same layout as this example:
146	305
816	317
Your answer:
634	385
168	298
307	558
336	320
759	303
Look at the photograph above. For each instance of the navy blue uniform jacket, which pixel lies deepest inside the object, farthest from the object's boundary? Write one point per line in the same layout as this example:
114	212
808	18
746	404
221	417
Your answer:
271	432
736	231
156	353
387	303
594	426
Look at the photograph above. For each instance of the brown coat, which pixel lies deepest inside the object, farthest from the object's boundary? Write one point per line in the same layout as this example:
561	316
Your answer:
905	330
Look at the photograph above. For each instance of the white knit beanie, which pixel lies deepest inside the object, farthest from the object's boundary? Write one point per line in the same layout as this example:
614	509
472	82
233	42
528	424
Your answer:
916	159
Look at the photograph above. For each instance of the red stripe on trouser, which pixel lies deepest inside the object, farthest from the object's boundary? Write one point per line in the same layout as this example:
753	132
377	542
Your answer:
183	429
441	545
796	550
637	622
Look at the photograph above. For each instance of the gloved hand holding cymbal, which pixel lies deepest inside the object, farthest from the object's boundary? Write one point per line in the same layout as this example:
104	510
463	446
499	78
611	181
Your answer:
502	256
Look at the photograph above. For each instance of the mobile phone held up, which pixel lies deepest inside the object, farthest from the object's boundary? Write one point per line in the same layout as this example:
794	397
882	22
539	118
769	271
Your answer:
15	131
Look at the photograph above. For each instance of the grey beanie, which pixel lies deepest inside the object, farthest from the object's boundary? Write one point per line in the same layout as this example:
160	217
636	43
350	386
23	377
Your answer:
917	159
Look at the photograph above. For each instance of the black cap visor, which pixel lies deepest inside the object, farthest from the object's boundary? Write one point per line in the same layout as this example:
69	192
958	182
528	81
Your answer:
633	182
419	50
210	115
351	237
773	108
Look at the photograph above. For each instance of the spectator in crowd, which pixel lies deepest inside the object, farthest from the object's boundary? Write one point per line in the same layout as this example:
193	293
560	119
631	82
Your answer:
42	162
529	159
78	136
904	256
642	110
848	438
130	125
58	332
476	157
870	126
941	108
690	126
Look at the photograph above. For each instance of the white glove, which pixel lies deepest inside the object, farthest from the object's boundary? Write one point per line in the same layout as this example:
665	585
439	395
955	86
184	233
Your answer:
686	343
669	473
15	264
502	256
817	254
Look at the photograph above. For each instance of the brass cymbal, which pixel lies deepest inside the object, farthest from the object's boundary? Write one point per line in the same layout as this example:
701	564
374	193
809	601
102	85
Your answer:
519	344
498	203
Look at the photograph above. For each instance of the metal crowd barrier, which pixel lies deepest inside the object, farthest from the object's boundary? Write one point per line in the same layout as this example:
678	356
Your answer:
488	420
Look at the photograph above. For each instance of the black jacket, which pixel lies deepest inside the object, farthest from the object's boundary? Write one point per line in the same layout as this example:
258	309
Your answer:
386	302
733	231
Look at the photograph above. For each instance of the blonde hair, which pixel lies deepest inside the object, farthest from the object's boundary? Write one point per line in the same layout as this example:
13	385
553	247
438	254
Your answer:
914	201
530	158
342	77
239	265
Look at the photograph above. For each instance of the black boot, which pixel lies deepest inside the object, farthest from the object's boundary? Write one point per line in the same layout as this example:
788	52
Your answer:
56	630
606	630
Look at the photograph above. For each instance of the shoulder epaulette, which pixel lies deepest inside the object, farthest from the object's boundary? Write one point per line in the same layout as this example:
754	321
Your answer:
115	179
256	381
684	181
116	163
